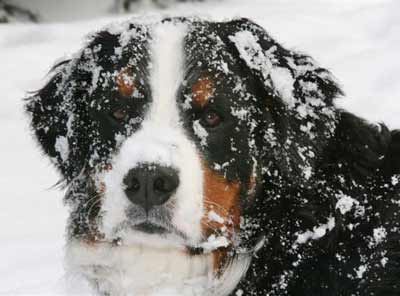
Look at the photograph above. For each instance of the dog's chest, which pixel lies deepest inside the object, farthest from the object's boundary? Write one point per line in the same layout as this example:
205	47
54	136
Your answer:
142	270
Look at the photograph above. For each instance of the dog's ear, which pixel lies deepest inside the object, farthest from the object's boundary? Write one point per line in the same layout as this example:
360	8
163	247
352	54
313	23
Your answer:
301	92
288	74
65	115
50	117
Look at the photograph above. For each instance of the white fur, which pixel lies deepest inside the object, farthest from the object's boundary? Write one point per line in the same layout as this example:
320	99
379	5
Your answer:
161	140
166	77
139	270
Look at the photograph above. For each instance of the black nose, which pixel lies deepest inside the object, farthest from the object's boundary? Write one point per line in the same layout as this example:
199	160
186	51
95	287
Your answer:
150	185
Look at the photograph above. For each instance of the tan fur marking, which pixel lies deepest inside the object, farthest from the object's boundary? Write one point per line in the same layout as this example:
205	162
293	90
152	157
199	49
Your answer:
221	197
202	91
125	82
220	257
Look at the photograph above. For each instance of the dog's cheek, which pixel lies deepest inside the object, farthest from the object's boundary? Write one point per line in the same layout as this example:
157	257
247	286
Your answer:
221	210
85	200
113	204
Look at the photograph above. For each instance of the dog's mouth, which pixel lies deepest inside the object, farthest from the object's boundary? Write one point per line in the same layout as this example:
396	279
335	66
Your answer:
157	234
155	227
150	228
147	231
156	230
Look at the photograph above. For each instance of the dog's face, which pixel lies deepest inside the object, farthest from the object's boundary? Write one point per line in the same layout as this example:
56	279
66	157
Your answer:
181	126
167	132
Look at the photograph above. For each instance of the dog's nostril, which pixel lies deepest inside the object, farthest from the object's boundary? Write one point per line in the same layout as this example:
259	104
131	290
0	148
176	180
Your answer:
132	184
165	182
160	185
164	185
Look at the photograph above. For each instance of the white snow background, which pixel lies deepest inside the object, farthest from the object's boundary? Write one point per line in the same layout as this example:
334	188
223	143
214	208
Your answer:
358	40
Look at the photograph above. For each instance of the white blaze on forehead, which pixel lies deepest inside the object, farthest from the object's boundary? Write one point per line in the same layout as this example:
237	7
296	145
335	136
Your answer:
166	71
160	140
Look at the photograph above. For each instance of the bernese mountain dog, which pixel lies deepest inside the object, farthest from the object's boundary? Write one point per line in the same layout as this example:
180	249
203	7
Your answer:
204	158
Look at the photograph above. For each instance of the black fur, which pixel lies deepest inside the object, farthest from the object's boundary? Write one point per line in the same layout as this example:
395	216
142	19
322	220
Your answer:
309	155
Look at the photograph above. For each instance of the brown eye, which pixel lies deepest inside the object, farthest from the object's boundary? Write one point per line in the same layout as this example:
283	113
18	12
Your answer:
120	114
211	119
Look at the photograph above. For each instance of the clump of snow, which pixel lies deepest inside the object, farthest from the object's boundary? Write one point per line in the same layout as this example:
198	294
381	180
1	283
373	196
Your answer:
384	261
307	172
360	271
316	233
241	114
255	57
220	167
214	242
239	292
186	105
200	132
62	147
345	203
213	216
306	128
379	235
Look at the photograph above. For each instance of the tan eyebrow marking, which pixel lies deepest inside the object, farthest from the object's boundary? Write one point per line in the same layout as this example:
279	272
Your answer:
202	91
126	82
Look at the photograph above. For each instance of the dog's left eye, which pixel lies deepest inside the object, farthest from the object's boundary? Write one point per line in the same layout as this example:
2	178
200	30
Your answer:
119	114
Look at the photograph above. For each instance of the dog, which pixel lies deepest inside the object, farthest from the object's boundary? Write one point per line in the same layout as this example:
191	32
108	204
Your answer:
204	158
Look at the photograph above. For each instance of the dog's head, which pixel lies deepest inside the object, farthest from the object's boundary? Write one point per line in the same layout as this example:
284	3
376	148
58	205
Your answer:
166	132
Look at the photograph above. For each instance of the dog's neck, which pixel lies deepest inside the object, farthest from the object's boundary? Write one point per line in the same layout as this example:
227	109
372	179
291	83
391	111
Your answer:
143	270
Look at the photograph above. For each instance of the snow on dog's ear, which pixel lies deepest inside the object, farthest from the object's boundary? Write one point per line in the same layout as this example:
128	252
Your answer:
288	74
62	111
51	116
303	91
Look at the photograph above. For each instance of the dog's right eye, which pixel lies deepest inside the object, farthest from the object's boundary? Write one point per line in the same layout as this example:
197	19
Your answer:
119	114
211	119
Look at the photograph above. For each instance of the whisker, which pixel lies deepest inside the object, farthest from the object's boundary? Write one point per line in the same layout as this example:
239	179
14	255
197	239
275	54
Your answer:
217	231
217	206
87	218
95	197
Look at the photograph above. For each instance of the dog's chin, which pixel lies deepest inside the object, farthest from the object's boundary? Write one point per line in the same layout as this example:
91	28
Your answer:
152	235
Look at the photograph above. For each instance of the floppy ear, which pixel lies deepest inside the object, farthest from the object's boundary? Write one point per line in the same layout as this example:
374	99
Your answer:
59	113
65	115
50	117
301	92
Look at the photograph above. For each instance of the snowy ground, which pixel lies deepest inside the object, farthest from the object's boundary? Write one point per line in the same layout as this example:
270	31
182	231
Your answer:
358	40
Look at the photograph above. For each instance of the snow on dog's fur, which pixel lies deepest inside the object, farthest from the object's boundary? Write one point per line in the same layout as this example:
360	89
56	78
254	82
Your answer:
161	140
203	158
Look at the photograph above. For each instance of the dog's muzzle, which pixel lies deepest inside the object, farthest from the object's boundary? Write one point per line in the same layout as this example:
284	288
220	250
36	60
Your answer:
149	186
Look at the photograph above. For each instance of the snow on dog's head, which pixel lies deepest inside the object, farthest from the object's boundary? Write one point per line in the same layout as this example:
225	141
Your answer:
167	133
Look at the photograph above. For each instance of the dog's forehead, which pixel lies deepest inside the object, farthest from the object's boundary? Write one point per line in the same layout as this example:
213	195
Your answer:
200	44
175	52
